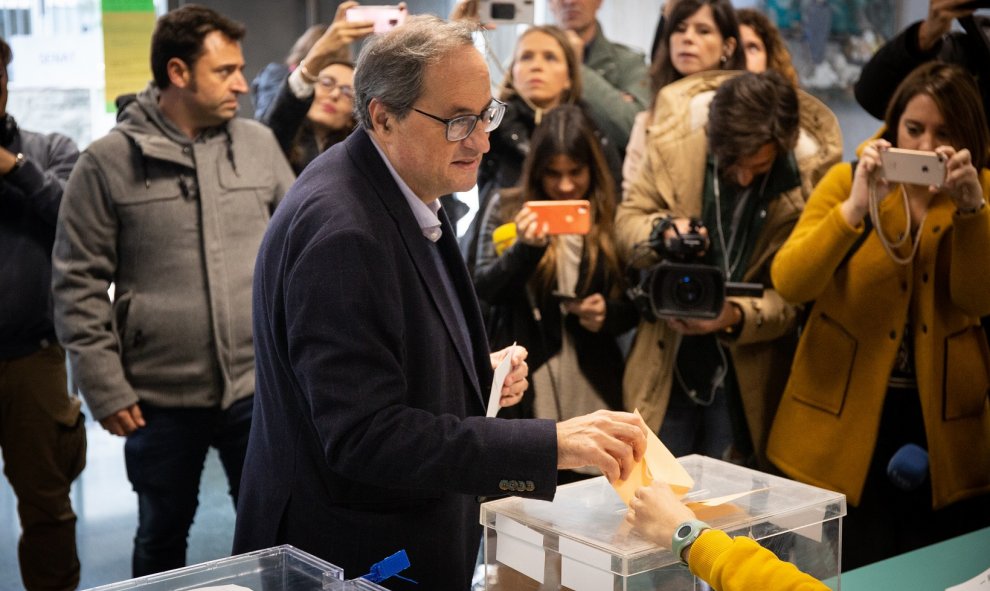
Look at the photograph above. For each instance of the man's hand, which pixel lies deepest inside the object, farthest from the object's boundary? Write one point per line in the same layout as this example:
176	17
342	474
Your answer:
655	513
515	383
941	13
590	311
577	44
124	421
730	315
611	441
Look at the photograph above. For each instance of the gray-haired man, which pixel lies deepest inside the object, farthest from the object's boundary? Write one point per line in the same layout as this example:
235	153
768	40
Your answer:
370	434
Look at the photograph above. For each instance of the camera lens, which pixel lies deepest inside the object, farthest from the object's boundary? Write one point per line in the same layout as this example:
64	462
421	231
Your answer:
688	291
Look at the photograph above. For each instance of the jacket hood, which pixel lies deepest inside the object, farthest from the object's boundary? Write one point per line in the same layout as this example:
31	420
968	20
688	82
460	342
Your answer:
143	121
156	137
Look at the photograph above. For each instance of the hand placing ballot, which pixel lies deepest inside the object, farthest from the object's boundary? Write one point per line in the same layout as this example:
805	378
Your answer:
510	380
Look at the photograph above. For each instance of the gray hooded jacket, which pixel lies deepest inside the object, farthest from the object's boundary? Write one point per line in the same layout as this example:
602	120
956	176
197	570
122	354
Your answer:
175	224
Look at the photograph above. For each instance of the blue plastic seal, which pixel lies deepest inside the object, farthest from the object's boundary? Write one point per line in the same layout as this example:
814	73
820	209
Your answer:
390	567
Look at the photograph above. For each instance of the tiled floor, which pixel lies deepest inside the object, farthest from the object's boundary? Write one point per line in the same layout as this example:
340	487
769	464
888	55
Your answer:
107	507
107	510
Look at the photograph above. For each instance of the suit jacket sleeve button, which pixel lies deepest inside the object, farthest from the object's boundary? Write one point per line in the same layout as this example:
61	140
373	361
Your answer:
530	487
503	485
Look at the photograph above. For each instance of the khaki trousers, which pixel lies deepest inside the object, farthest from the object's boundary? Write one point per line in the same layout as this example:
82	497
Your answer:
43	440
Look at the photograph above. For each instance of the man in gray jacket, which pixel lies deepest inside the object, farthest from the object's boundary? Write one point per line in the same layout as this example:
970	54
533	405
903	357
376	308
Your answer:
170	207
614	77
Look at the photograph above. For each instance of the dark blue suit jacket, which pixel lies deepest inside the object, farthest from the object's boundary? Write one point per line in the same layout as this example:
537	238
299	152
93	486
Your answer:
368	434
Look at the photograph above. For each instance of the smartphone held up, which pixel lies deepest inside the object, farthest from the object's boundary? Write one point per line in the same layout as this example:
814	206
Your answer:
385	18
506	12
913	167
565	216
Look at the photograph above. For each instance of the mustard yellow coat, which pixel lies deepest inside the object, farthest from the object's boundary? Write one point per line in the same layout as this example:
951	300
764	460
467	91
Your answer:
671	181
826	426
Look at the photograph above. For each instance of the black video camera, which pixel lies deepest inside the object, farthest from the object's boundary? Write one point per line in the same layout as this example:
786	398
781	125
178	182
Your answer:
680	287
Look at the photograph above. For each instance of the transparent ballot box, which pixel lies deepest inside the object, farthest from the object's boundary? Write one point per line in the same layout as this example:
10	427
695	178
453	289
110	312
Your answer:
580	541
282	568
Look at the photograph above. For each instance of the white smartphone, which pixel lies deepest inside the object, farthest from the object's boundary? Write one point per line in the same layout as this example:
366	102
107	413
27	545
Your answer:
385	18
506	11
913	167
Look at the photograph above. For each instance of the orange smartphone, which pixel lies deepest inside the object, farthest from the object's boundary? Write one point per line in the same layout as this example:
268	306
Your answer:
566	216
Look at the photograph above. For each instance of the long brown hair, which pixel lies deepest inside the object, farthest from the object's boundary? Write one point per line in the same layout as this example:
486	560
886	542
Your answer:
958	99
567	131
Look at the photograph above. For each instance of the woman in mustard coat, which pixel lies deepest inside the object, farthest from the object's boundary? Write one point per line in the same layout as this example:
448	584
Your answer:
893	353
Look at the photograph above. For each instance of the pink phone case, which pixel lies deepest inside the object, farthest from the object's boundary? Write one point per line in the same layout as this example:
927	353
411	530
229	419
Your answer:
385	18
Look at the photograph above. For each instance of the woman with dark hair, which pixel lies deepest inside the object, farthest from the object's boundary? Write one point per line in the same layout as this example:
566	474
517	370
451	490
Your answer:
698	36
701	35
314	108
763	46
887	397
561	296
543	74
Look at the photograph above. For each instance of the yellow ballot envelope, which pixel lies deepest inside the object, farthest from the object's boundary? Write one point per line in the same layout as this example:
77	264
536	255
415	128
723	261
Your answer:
657	464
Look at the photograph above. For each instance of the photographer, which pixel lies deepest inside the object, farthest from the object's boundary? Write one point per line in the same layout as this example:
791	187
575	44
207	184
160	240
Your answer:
887	398
709	383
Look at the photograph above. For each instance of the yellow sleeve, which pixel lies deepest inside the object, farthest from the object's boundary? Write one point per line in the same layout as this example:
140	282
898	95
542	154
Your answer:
737	564
969	283
804	265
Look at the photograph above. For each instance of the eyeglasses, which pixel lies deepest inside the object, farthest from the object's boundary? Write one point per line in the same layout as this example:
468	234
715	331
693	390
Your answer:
328	83
462	126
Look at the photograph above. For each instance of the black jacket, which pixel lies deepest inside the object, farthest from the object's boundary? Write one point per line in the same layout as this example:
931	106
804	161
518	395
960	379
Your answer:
369	432
286	116
29	202
501	281
895	60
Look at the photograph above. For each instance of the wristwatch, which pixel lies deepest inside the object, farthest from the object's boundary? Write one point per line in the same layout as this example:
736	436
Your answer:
685	535
18	163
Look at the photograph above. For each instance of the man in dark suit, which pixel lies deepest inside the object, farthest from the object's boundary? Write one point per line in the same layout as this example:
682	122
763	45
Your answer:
372	364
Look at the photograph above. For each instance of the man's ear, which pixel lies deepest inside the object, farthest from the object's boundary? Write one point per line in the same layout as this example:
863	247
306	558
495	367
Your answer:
379	116
179	73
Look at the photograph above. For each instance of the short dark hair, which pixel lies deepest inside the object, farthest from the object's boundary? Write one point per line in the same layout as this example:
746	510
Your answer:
6	53
180	33
958	99
750	111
